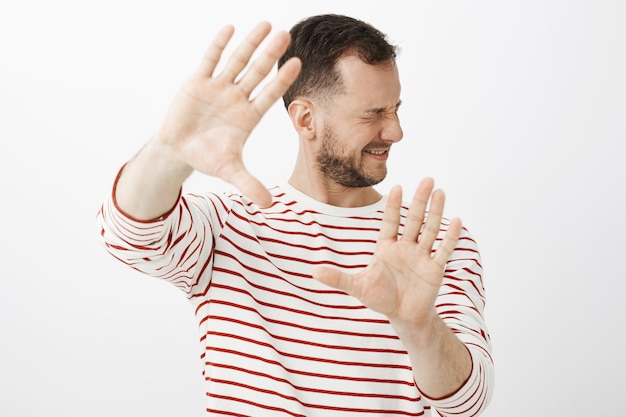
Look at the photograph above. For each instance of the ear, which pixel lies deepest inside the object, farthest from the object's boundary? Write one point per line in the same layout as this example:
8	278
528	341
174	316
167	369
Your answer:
302	114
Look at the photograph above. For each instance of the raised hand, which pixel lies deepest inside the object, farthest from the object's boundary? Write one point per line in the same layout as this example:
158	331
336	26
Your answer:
212	115
403	279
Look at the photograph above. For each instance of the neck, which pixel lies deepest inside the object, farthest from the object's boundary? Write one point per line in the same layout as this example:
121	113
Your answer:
329	192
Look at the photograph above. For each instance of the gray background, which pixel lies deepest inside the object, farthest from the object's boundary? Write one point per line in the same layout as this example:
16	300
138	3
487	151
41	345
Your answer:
516	108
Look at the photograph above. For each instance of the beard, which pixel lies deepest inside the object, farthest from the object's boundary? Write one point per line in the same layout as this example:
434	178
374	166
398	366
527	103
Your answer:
343	170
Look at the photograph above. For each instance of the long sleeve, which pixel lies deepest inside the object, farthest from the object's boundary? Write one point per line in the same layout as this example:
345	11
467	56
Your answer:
461	304
176	247
273	337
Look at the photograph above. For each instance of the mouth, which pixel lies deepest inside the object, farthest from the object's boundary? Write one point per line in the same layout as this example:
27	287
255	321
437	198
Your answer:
377	152
380	154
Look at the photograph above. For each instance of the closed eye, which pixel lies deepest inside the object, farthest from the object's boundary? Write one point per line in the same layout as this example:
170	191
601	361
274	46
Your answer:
384	112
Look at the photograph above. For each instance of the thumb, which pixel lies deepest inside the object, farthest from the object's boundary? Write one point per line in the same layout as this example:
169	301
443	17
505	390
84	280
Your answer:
255	191
249	185
333	278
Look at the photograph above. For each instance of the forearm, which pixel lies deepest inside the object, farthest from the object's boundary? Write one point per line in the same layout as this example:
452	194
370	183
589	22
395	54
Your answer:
441	362
149	184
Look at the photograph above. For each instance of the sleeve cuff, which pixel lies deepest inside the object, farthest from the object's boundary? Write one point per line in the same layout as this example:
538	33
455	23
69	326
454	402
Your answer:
134	219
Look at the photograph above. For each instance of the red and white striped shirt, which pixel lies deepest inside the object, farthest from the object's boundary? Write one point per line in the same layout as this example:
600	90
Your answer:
277	342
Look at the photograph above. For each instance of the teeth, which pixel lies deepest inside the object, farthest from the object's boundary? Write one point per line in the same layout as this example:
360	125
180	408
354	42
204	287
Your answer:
376	152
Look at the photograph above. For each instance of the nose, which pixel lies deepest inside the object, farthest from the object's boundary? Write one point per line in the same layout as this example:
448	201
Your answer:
391	130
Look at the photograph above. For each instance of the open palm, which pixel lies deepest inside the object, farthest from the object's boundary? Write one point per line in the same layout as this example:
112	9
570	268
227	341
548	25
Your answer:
403	278
212	116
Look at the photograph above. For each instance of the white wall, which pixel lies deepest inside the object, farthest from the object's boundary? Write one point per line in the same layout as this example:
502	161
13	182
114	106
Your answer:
518	109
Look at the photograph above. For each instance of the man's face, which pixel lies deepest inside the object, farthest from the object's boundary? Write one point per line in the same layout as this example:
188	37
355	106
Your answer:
360	125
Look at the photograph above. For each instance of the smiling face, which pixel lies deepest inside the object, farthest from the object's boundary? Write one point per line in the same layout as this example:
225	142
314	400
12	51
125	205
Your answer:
360	124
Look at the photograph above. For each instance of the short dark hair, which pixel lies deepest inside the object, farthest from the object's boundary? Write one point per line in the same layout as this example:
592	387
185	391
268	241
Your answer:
320	41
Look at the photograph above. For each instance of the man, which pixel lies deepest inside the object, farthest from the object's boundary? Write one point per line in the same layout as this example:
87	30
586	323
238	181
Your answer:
319	296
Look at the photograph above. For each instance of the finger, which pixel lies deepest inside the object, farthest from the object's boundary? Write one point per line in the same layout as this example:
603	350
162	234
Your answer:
213	53
391	215
432	226
417	210
275	89
449	242
240	58
264	63
333	278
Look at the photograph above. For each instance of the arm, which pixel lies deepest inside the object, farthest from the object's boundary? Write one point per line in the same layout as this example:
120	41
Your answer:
404	281
207	125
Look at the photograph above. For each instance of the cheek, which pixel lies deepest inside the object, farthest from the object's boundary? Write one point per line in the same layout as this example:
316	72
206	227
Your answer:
360	137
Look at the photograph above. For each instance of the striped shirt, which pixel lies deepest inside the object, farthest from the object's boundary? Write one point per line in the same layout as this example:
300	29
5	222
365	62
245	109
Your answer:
275	341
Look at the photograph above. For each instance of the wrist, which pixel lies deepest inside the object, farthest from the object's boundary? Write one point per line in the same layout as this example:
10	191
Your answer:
163	159
423	332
